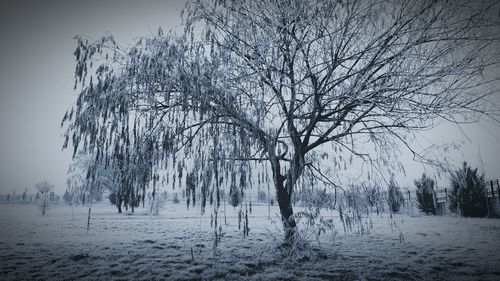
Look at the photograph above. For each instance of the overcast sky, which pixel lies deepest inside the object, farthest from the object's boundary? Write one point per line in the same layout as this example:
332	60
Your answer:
36	75
36	86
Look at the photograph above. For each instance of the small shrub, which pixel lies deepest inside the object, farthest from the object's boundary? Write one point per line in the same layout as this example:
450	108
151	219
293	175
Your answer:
68	197
468	193
113	199
261	196
235	197
426	195
175	199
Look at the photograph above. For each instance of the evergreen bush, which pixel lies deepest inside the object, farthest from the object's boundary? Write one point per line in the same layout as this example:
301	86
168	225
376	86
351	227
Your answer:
394	197
468	193
426	195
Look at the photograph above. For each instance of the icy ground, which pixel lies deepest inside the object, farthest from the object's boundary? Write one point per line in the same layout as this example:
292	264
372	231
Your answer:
144	247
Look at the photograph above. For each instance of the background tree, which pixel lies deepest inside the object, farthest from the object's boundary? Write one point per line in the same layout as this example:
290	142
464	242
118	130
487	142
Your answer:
292	85
175	199
394	197
468	193
373	197
44	188
89	178
68	197
25	195
82	176
426	195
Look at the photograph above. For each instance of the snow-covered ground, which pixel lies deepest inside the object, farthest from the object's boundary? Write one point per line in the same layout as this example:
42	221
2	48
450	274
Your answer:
178	245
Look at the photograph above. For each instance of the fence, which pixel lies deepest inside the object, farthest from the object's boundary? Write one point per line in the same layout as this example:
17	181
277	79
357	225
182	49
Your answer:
27	198
492	192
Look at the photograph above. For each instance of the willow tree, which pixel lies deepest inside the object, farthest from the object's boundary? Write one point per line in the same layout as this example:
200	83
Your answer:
287	84
88	178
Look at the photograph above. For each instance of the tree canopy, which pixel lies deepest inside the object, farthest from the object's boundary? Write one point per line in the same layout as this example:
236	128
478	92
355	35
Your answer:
44	186
291	85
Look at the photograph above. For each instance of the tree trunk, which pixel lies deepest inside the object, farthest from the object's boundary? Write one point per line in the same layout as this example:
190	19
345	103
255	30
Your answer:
119	204
283	197
284	190
286	211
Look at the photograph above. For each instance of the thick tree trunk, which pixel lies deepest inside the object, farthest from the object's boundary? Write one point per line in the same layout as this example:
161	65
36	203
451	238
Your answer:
286	211
283	197
284	188
119	202
143	196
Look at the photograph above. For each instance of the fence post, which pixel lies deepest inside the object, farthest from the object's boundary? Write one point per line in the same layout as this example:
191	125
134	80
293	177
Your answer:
445	200
487	203
498	191
409	202
492	190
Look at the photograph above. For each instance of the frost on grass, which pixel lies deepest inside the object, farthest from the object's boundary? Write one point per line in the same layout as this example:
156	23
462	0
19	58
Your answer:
176	245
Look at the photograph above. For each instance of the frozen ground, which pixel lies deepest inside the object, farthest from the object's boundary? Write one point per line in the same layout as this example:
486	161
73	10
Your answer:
144	247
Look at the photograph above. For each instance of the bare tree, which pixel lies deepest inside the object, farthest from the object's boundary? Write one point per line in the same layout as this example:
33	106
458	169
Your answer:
44	187
290	84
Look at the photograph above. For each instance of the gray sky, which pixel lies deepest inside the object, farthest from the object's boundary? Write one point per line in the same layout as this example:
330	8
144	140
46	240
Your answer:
36	75
36	86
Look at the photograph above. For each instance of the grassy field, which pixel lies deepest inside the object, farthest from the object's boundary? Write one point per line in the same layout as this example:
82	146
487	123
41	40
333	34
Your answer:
178	245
